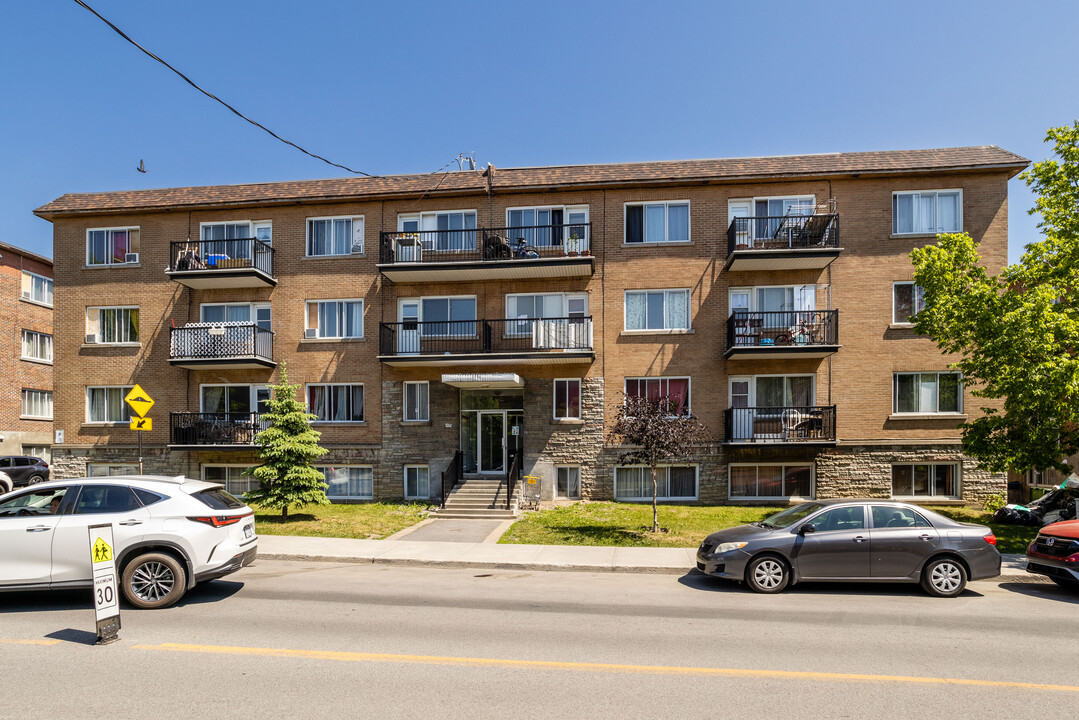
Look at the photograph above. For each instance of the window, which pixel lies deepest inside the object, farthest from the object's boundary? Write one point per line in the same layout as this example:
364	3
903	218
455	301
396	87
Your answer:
657	309
545	226
546	305
37	404
770	481
39	451
442	230
674	482
657	222
897	517
232	477
112	246
112	325
106	404
417	486
36	346
925	481
770	221
907	301
416	401
568	482
675	389
105	470
37	288
349	482
442	317
335	236
257	313
242	399
927	212
335	318
335	403
567	399
928	393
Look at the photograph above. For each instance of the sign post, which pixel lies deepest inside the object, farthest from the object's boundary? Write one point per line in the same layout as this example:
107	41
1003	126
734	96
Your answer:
140	403
106	601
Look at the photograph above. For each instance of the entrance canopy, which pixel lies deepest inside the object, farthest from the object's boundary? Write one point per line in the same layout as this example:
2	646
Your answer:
484	381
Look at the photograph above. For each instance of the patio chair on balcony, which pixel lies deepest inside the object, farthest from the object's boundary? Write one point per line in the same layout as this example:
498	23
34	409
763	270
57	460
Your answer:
496	248
187	258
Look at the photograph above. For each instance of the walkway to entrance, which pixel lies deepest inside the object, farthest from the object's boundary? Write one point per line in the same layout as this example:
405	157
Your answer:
449	530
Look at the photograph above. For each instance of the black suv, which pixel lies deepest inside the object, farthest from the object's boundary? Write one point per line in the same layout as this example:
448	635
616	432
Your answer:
24	470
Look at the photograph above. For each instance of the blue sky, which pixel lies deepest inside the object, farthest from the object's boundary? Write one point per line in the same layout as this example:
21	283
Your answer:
404	87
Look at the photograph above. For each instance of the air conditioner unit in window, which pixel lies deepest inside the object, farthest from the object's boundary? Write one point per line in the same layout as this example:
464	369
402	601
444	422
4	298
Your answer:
310	333
357	248
26	293
131	257
91	339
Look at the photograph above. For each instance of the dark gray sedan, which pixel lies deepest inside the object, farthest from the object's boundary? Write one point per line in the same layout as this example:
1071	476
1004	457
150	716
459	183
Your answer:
853	541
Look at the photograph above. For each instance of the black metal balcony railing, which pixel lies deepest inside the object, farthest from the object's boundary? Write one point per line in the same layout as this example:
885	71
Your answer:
780	424
232	428
786	328
485	244
210	255
471	337
785	232
220	341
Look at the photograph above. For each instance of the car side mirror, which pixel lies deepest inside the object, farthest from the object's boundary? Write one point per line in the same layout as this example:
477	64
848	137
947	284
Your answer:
807	528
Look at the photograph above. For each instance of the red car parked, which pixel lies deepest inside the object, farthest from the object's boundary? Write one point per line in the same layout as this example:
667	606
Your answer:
1055	553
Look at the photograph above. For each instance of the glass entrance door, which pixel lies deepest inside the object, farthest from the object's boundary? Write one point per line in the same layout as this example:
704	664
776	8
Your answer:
492	437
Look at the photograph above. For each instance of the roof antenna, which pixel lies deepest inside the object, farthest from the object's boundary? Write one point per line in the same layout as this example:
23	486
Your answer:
461	158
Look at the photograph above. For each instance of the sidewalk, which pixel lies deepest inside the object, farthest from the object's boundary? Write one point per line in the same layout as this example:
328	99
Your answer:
676	561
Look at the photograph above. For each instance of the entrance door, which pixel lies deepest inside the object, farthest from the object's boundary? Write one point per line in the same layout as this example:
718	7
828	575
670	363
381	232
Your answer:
492	442
408	332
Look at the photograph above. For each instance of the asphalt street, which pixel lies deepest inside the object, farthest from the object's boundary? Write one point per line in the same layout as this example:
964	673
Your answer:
316	639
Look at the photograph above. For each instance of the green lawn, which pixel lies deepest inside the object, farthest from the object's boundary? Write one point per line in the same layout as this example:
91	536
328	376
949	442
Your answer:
365	521
625	524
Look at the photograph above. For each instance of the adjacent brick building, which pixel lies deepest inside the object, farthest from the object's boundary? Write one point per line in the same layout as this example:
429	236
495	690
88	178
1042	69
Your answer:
770	295
26	352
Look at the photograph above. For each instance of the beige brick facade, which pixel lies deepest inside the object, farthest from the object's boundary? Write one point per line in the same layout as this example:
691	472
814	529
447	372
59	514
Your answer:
857	379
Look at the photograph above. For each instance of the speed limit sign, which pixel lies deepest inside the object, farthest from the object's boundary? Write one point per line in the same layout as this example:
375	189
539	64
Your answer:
106	601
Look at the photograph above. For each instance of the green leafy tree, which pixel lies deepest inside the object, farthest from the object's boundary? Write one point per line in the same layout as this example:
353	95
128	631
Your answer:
657	432
1018	332
287	448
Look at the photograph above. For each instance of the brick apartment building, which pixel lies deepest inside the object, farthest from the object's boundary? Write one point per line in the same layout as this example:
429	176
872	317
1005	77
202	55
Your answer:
770	296
26	350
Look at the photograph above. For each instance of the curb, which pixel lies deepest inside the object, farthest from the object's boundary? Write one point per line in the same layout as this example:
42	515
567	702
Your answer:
1008	577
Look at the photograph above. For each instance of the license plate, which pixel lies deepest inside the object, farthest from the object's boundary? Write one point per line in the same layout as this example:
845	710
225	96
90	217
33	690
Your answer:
249	531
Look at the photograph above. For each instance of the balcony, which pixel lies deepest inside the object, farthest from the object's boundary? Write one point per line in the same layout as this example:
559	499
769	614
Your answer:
814	425
513	253
233	430
209	264
523	341
219	346
784	334
789	242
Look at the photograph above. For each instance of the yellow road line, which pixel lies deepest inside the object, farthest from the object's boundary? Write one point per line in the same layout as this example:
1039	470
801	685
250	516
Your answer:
4	641
593	667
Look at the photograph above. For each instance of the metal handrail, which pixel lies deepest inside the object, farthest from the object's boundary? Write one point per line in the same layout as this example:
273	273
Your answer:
784	232
451	476
468	337
220	340
512	478
213	255
523	242
781	328
228	428
794	424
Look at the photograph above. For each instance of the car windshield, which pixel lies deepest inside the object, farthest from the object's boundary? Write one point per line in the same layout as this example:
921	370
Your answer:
791	515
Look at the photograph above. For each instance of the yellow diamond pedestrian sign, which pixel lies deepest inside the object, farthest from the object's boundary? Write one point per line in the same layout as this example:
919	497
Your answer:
139	401
101	551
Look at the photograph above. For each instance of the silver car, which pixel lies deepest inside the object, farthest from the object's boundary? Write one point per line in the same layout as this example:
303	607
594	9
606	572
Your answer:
853	541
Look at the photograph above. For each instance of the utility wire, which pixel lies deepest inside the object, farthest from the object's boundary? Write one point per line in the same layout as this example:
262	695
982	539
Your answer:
210	95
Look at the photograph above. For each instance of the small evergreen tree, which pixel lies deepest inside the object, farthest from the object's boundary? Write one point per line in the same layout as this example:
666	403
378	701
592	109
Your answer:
287	447
659	431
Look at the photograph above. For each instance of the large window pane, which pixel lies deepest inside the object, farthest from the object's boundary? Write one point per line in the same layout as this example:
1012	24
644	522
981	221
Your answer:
654	219
798	481
902	481
906	393
743	481
903	305
921	480
927	393
770	480
682	482
949	393
678	223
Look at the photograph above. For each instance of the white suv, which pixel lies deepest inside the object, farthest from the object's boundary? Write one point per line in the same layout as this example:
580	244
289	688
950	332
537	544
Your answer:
169	534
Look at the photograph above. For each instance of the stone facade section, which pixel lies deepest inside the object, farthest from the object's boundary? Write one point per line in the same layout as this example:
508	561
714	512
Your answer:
433	442
549	443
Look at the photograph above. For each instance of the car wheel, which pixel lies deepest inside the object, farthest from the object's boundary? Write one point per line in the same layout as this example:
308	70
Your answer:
767	574
34	480
1065	582
153	581
944	577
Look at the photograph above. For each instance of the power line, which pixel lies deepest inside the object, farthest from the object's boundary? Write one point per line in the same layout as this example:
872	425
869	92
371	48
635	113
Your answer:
210	95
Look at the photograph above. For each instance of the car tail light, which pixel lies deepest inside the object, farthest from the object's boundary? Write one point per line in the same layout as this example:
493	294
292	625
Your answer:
990	538
220	520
